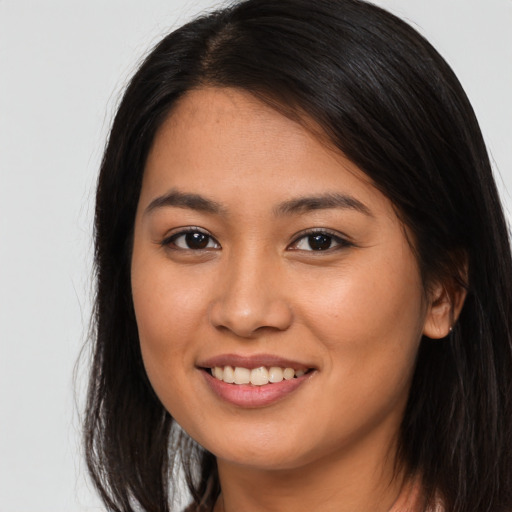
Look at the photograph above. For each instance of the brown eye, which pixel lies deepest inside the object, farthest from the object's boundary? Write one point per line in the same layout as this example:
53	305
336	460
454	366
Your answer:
196	240
320	242
191	240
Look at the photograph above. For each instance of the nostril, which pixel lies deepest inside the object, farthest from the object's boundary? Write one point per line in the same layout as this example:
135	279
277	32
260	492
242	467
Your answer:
250	318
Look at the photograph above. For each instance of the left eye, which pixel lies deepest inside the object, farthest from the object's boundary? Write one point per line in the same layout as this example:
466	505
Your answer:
318	242
192	240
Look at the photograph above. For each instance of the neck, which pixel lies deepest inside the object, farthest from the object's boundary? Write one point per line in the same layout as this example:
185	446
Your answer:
339	482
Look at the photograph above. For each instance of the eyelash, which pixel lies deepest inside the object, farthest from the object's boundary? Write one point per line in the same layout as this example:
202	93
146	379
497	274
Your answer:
340	241
170	241
330	236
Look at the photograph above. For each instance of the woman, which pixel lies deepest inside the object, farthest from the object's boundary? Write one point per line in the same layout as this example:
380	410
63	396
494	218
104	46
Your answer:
304	274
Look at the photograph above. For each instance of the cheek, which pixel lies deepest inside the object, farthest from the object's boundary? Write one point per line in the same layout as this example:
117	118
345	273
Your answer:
369	327
369	316
166	305
167	310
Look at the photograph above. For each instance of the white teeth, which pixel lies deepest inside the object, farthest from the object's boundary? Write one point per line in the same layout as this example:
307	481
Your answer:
288	373
257	376
242	375
275	374
229	375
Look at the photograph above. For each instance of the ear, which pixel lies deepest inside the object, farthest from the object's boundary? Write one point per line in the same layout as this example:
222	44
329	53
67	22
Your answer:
445	304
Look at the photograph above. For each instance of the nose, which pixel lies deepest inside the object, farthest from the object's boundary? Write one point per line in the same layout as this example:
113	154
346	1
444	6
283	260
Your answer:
250	298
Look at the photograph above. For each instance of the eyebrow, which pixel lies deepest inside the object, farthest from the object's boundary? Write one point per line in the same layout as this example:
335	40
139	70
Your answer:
177	199
185	200
321	202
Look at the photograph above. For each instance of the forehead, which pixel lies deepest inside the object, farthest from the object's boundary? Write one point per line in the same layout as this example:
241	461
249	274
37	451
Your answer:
237	124
230	147
232	129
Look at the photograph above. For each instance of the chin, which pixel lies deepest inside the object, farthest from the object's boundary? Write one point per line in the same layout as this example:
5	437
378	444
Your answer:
263	461
266	452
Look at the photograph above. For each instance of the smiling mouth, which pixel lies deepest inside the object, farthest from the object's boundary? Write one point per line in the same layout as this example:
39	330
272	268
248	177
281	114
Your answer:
256	376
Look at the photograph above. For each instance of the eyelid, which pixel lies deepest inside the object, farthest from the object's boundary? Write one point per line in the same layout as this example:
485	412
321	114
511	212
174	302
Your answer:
184	230
341	239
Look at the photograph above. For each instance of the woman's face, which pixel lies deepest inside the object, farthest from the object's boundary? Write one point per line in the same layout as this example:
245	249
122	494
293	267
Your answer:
257	246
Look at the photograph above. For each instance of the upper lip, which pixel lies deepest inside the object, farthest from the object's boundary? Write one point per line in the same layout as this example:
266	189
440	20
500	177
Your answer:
252	361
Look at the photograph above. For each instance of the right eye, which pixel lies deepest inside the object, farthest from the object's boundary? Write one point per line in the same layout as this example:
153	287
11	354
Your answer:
191	240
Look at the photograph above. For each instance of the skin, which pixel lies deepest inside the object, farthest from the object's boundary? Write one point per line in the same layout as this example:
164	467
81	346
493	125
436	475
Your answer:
354	312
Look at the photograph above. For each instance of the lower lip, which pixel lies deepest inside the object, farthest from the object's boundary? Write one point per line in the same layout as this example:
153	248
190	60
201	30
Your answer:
246	395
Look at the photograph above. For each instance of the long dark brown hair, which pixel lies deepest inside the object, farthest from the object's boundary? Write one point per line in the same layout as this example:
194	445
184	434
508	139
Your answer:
386	99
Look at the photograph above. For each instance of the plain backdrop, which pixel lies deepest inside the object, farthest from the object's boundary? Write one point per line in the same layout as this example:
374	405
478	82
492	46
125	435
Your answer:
63	64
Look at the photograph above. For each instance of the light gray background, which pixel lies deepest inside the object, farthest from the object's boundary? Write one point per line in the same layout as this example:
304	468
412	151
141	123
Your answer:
63	64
